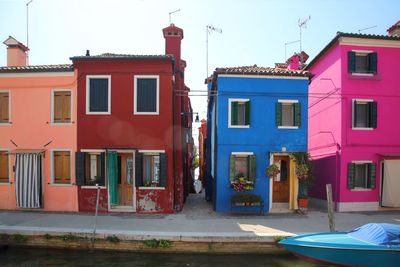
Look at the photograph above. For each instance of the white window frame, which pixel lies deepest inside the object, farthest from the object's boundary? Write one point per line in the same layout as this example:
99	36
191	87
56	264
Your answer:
230	100
135	78
52	107
353	113
52	173
153	153
288	101
359	162
88	112
9	166
9	108
97	152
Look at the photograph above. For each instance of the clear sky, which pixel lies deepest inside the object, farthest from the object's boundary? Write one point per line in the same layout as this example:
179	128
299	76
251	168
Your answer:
253	31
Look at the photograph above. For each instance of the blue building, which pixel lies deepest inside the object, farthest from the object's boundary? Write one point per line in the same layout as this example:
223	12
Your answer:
257	116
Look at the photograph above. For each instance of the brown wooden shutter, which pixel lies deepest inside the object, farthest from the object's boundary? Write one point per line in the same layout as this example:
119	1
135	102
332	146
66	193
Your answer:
67	167
4	107
62	167
62	106
66	111
4	167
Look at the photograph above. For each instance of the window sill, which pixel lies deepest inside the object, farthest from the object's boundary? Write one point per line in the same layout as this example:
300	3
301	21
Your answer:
360	189
151	187
62	123
146	113
5	183
362	128
98	113
92	187
365	74
288	127
5	123
239	126
61	185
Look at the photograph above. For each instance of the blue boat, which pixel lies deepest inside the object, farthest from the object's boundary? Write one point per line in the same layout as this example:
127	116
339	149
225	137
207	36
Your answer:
372	245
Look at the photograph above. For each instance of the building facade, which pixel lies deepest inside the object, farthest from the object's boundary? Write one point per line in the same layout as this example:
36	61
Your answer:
353	135
37	134
257	116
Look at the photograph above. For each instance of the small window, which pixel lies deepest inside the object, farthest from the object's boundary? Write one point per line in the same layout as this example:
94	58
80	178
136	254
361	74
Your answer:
364	114
98	93
62	106
362	62
288	114
146	95
361	175
151	170
93	171
4	107
62	167
4	169
242	166
90	168
239	113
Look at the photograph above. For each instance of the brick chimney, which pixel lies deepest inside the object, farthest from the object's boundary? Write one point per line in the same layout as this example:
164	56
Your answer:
17	53
394	30
297	61
173	37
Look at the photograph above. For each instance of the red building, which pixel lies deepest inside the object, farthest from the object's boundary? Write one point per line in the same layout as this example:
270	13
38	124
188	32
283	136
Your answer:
132	110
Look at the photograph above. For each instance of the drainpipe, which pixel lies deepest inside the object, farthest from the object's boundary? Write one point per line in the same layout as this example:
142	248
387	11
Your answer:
173	136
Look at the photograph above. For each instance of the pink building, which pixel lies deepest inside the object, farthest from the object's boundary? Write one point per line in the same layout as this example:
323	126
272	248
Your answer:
354	131
37	134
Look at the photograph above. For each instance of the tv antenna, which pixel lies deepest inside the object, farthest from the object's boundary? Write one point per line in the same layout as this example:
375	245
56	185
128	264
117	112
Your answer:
27	23
288	43
172	12
364	29
209	30
303	24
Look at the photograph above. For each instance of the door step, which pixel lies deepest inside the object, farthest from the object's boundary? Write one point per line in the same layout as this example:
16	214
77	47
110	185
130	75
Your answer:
278	207
122	209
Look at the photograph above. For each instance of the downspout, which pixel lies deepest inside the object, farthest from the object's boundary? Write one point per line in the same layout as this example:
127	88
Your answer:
173	136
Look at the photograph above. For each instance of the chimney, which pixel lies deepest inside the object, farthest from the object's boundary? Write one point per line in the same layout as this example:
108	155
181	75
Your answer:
17	53
173	37
394	30
297	61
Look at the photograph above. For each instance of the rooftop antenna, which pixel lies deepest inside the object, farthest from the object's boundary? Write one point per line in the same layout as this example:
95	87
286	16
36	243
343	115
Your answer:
209	30
27	23
360	30
288	43
172	12
303	24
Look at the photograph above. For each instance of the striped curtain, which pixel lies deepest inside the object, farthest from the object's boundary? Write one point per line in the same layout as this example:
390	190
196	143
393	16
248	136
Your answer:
28	180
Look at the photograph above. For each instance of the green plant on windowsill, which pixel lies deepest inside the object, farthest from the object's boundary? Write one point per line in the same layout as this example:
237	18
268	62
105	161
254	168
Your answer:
246	199
272	171
241	183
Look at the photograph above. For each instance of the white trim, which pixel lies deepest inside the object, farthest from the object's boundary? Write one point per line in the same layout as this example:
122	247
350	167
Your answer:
288	127
368	42
92	187
121	151
52	107
242	153
362	51
357	206
93	150
230	100
353	118
151	151
150	188
262	76
9	108
135	77
288	101
52	180
362	161
36	74
360	189
10	171
363	74
88	77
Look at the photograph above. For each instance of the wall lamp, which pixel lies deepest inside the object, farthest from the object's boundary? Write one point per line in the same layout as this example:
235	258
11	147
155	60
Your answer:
191	113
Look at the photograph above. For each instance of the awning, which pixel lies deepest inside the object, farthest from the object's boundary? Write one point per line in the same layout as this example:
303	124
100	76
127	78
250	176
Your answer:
27	151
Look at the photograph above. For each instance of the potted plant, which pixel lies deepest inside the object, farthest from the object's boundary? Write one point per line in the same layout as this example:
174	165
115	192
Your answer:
303	171
241	183
246	199
273	171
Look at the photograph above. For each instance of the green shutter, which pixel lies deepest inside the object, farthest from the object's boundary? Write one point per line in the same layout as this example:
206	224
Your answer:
102	178
252	168
232	167
80	168
297	114
112	164
138	169
372	175
163	170
351	64
234	113
351	175
247	113
373	62
373	112
278	114
354	113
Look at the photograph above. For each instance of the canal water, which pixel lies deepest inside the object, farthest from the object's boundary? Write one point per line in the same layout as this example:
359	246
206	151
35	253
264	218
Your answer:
27	257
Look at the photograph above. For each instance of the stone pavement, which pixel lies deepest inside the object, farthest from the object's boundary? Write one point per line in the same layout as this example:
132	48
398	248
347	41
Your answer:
197	222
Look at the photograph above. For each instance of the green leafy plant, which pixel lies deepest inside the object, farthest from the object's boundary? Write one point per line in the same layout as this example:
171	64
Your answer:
245	198
69	237
4	237
47	237
164	243
273	171
154	243
304	172
18	238
278	238
113	239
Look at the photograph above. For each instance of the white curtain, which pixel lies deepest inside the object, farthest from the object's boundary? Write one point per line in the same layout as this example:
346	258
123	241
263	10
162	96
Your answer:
391	184
28	180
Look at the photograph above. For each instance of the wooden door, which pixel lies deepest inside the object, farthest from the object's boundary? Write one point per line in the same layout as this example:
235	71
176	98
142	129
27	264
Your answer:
125	183
281	184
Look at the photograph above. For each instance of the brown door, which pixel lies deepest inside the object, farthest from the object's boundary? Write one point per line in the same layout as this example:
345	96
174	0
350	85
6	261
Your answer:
125	183
281	183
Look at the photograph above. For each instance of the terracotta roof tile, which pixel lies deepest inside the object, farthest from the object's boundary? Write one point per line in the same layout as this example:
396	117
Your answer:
106	56
256	70
37	68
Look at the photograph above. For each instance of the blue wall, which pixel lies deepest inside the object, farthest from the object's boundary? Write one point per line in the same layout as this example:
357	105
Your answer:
263	136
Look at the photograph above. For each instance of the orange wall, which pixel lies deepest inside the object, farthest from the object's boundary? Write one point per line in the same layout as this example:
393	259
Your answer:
31	128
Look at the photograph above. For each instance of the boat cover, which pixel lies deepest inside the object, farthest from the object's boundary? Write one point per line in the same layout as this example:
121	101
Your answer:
378	233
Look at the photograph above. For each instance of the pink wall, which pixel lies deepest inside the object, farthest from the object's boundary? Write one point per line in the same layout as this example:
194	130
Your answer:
30	99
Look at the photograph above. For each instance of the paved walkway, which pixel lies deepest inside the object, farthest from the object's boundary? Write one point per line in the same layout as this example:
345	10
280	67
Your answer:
197	222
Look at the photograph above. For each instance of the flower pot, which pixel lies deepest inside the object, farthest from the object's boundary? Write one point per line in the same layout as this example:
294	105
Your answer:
303	203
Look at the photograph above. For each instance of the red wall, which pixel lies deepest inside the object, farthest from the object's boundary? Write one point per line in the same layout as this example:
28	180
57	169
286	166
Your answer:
123	129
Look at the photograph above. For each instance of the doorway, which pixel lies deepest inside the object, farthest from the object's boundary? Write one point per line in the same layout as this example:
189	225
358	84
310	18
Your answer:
121	181
281	183
391	184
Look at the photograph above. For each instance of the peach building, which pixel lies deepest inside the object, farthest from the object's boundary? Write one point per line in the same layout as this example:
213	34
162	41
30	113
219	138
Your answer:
37	134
